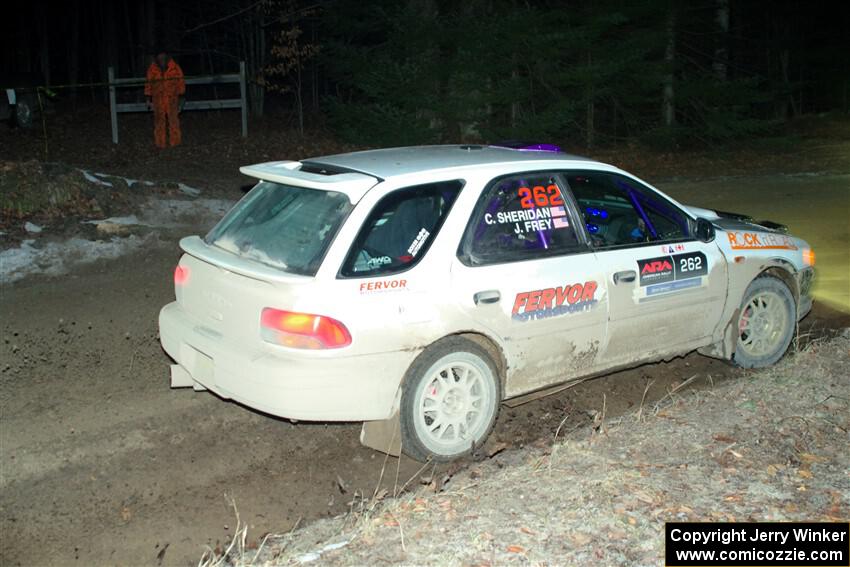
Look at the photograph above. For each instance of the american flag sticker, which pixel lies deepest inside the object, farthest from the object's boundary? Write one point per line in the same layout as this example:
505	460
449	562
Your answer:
557	211
560	222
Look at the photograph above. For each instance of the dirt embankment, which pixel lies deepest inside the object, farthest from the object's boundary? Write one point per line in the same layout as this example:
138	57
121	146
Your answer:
770	446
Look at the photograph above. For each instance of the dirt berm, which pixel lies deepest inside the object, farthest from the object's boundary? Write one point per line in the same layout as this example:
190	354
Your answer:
770	446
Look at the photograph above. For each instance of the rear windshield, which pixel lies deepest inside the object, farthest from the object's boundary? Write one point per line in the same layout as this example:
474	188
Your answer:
286	227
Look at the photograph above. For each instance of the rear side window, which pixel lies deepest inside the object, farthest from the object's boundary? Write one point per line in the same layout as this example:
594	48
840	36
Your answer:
286	227
520	218
400	229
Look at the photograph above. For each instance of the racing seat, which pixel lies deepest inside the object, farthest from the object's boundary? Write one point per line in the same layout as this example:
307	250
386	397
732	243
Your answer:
401	228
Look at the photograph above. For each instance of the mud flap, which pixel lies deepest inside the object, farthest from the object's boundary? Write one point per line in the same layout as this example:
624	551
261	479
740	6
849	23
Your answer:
180	377
725	347
383	435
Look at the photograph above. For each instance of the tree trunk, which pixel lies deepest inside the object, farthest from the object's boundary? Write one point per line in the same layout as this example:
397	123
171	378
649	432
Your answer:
591	109
170	26
74	51
150	27
44	49
298	100
254	52
668	104
314	73
259	91
720	65
515	103
783	66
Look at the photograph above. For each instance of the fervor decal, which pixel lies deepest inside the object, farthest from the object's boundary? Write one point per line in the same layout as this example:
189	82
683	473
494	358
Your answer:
554	301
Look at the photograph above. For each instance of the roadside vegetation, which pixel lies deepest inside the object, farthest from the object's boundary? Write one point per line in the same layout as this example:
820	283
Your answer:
769	446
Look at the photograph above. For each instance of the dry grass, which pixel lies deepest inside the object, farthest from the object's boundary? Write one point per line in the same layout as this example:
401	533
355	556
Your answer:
768	446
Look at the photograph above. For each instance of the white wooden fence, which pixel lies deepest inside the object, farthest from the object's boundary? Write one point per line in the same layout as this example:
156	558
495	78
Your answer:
241	102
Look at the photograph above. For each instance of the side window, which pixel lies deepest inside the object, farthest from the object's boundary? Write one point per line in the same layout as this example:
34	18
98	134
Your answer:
618	211
520	218
400	229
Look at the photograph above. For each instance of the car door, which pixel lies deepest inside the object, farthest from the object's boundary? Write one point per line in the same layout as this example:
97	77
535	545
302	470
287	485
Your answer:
666	289
527	276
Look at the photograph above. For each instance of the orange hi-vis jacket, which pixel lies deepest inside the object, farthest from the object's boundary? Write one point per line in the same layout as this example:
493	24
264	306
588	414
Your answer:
164	85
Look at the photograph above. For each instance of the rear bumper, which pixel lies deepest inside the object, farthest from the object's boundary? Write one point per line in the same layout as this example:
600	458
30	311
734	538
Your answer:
337	388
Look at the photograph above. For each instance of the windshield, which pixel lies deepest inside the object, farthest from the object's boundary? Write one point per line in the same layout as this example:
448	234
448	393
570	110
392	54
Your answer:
286	227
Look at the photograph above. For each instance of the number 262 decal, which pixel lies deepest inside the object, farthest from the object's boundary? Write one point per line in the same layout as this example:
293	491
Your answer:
539	196
690	264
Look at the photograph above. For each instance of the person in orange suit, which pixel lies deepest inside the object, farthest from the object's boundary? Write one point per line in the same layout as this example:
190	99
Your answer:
164	87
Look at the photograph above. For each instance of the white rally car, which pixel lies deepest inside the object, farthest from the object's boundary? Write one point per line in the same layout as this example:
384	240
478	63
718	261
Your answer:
416	289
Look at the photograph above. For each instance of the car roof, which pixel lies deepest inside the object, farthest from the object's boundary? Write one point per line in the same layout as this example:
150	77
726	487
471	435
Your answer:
391	162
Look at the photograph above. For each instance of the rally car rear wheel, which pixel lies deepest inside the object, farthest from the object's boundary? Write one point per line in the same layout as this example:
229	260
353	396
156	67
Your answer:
449	401
765	324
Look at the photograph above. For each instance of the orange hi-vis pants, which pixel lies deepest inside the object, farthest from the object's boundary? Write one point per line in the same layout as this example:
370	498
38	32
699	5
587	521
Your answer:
166	116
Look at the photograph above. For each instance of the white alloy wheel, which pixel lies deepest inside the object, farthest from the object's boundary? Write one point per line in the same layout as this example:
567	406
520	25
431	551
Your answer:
765	324
451	405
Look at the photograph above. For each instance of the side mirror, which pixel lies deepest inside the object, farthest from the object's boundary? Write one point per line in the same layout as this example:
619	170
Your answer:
705	230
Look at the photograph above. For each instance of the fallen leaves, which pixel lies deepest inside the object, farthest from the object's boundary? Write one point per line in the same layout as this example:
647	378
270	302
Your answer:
643	497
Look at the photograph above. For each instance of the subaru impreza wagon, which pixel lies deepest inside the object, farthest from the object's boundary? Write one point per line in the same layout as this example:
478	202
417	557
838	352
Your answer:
417	289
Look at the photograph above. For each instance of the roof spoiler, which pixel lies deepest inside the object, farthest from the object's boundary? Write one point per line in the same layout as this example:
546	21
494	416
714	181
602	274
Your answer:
354	185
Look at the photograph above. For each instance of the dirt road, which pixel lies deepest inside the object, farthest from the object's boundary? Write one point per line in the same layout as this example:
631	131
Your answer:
102	463
814	206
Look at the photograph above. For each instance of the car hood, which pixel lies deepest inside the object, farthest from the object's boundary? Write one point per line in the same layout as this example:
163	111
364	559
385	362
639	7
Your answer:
736	221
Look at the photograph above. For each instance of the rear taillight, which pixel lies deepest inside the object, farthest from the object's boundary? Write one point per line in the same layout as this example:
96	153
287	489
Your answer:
302	330
181	275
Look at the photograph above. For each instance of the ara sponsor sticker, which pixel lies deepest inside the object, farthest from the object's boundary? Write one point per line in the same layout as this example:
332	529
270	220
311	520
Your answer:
381	286
554	301
760	241
666	269
656	270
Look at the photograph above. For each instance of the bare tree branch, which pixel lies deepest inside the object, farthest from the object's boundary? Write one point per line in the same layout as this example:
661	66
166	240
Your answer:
224	18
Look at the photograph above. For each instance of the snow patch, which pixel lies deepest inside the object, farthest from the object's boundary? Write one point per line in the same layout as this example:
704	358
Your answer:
32	228
93	178
188	190
131	220
57	258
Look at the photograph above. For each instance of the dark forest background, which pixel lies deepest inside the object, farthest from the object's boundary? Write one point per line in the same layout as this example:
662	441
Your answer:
668	72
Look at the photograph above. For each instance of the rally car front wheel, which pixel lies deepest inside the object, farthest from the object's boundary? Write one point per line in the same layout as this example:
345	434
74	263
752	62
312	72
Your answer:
449	402
765	324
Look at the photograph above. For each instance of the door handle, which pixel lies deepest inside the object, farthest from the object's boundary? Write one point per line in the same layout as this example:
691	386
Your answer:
624	276
489	296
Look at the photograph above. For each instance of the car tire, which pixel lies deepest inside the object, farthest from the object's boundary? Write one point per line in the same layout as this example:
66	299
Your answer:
765	324
450	398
